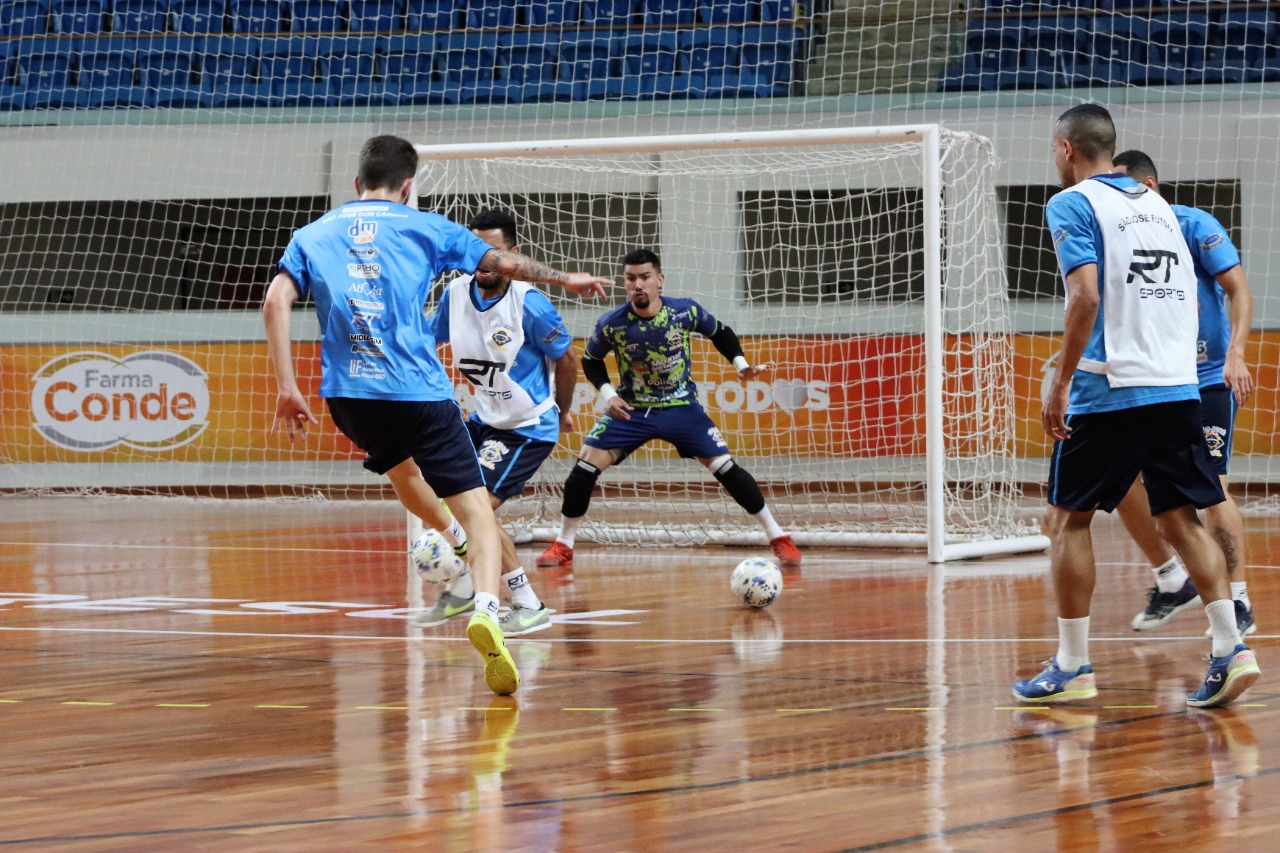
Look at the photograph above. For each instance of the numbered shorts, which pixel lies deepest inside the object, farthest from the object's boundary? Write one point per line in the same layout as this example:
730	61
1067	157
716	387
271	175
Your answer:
687	427
432	433
1218	417
1094	468
507	459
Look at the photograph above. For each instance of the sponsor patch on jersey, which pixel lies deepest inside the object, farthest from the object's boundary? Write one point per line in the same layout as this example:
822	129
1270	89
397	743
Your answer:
501	335
554	334
362	253
363	231
1060	236
491	453
1213	241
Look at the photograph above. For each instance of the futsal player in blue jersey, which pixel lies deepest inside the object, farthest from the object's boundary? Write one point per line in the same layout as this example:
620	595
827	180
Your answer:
1225	384
512	346
368	266
656	398
1125	401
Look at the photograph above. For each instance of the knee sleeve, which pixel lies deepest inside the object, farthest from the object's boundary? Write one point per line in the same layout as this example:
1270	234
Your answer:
740	485
577	489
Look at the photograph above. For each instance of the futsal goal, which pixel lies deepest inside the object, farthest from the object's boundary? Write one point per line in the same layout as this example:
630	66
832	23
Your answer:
864	265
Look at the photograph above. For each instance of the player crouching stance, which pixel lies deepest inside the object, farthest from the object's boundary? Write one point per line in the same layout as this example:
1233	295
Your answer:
656	398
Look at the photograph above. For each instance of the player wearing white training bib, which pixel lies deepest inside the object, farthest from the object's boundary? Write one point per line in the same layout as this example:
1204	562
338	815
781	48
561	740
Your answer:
1125	401
511	345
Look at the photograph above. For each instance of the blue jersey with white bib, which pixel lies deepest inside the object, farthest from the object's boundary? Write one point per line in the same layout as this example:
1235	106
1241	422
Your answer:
1153	294
545	337
1213	253
369	266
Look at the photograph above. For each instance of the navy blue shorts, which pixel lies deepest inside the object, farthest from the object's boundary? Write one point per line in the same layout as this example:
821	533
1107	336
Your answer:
1094	468
432	433
1218	417
507	459
687	427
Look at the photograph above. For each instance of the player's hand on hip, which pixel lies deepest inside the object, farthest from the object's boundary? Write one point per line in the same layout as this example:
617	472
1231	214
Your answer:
753	371
293	413
1238	379
619	408
585	284
1053	417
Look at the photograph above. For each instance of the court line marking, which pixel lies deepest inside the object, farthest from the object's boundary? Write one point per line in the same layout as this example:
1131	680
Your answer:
543	638
280	707
182	705
588	709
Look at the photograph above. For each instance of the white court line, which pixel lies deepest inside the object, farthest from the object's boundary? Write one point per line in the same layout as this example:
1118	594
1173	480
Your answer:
545	639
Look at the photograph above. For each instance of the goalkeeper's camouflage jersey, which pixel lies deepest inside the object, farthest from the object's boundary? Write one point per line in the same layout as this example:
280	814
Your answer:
653	353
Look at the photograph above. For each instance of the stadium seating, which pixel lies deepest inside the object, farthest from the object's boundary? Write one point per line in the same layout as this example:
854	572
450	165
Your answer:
377	16
317	16
79	17
139	16
197	16
24	18
256	16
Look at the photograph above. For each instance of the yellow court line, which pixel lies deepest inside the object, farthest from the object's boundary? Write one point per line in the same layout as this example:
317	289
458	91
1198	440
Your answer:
182	705
1023	708
274	707
91	704
588	709
10	701
1253	705
382	707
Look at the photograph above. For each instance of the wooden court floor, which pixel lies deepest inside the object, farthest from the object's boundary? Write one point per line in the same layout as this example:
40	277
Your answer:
240	676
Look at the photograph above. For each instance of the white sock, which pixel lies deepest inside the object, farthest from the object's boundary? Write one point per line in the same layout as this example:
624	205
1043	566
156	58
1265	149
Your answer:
1240	592
1222	622
455	535
1171	575
461	586
771	528
1073	643
567	528
486	603
522	593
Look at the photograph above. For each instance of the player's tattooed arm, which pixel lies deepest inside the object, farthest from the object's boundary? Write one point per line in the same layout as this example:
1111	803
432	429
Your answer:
525	268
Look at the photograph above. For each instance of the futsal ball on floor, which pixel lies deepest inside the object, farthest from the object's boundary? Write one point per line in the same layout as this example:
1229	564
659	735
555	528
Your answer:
434	557
756	582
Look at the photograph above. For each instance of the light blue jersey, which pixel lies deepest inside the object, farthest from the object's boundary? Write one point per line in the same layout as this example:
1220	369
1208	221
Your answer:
1214	254
1078	240
369	266
545	337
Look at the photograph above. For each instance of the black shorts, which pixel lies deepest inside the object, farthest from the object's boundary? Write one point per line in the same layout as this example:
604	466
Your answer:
1218	417
432	433
507	459
1094	468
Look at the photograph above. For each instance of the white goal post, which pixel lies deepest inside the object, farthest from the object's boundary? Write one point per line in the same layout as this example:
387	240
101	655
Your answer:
864	264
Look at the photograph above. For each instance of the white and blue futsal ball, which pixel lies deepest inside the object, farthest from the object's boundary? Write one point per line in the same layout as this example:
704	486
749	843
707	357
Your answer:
434	557
756	581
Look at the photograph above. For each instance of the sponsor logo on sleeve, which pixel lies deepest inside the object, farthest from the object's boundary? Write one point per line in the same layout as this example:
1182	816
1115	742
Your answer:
1060	236
1213	241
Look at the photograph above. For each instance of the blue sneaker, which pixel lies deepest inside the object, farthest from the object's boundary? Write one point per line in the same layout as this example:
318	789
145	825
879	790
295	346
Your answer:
1163	606
1054	685
1228	677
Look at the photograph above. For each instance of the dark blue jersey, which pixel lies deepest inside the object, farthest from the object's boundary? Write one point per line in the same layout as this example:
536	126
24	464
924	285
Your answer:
653	353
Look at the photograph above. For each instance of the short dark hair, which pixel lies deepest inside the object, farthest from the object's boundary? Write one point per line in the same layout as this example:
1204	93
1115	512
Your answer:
1090	129
1137	164
491	218
640	257
386	161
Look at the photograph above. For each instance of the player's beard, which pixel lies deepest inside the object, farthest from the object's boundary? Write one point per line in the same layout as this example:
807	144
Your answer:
495	284
640	300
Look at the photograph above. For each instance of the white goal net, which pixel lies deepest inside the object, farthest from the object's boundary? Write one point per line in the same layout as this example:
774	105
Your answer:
864	266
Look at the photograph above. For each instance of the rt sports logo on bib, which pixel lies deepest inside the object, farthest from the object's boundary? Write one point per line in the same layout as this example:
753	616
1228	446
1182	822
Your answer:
91	401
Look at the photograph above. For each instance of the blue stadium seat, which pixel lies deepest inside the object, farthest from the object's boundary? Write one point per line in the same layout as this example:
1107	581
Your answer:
229	75
377	16
1239	45
431	15
708	48
1049	51
649	67
257	16
529	74
729	11
47	77
777	10
317	16
1120	50
351	66
1176	51
966	77
585	70
554	13
468	62
408	71
767	55
109	79
609	13
169	76
289	75
490	14
24	18
132	17
12	96
663	13
79	17
197	17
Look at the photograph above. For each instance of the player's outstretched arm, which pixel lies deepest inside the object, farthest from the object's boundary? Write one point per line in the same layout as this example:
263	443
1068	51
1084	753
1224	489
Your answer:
726	342
292	410
1235	373
525	268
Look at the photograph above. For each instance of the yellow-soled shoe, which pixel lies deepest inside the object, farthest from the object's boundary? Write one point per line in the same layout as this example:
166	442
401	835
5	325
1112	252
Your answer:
499	669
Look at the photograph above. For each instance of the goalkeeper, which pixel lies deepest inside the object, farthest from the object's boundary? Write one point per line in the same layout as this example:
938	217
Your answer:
656	398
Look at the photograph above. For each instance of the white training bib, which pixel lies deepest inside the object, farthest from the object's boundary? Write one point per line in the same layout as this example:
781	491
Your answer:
485	345
1149	307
